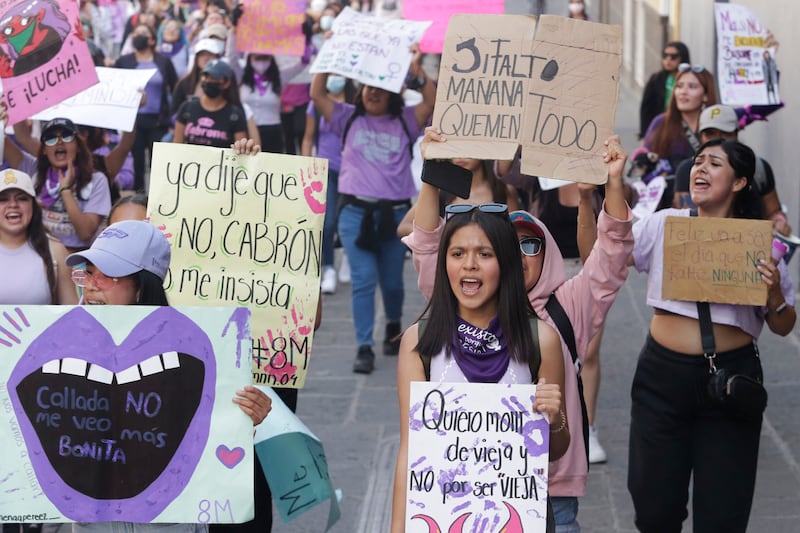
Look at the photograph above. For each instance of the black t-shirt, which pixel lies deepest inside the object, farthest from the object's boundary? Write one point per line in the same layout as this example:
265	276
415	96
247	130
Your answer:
764	179
211	128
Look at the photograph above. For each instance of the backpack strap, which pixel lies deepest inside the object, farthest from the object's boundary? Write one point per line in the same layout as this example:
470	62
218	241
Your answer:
533	362
564	326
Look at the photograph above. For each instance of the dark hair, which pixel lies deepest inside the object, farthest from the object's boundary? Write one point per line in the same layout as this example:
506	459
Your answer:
152	30
747	202
682	49
40	242
151	289
83	163
671	127
513	306
498	187
138	198
273	75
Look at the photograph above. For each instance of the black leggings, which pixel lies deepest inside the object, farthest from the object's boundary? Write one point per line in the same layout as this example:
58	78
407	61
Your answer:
676	432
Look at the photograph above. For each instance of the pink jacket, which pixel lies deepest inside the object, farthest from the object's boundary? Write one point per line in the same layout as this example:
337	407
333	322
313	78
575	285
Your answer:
586	299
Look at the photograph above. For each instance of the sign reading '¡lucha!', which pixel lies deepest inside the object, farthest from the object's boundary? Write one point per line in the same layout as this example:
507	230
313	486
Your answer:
556	95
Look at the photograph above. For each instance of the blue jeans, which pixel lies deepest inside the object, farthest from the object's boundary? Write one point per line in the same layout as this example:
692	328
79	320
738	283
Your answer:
565	513
329	227
368	268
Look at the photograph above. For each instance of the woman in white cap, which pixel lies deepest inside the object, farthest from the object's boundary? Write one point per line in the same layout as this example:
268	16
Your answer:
126	265
32	266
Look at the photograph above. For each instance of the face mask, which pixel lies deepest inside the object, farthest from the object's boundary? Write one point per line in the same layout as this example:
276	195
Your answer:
575	8
261	66
335	84
326	22
141	42
211	88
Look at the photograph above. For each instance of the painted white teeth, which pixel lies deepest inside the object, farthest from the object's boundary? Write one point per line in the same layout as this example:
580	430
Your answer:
128	375
170	360
52	367
148	367
151	366
73	366
100	374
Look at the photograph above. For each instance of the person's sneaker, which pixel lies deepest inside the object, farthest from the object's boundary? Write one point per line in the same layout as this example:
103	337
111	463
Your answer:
344	270
365	360
328	283
596	452
391	343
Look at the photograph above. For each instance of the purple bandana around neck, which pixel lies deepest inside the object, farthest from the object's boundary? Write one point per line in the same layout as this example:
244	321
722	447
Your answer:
481	354
49	193
262	83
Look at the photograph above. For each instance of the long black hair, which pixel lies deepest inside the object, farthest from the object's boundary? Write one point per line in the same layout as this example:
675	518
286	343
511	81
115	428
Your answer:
40	242
747	202
151	289
682	49
514	309
273	74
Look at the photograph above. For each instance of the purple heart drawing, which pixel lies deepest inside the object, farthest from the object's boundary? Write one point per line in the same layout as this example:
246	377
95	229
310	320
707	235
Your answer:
354	63
115	453
228	457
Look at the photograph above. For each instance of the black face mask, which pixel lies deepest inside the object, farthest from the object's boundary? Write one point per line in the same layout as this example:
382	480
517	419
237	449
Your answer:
211	88
141	42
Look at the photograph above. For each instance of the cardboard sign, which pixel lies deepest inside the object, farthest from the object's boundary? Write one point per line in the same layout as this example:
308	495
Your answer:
714	259
294	464
747	70
272	27
124	413
112	103
246	230
477	454
368	49
44	57
440	12
555	94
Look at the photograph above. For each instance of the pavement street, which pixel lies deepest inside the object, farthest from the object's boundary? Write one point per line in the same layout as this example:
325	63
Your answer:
356	416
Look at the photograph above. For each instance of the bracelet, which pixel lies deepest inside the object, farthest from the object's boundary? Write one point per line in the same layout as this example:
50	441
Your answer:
563	422
62	189
781	308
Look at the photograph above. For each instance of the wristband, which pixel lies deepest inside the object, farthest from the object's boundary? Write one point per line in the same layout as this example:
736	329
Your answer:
563	422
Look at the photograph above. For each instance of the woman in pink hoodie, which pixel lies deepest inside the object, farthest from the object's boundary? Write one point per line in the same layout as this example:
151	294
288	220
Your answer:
586	298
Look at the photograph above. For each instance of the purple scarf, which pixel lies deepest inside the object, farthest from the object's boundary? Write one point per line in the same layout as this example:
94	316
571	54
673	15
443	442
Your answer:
262	83
49	193
481	354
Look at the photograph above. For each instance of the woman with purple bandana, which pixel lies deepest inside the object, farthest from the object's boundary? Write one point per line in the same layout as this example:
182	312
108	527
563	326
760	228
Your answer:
375	187
75	198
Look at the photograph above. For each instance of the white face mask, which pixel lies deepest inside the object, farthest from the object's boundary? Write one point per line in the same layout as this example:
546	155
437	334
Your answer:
575	8
261	65
326	22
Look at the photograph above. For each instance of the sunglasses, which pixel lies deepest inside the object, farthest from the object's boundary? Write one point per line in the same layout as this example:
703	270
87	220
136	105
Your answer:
531	246
52	140
460	209
81	277
667	55
697	69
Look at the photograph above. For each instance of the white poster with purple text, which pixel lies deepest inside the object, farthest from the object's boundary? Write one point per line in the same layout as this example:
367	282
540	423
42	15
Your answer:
369	49
477	459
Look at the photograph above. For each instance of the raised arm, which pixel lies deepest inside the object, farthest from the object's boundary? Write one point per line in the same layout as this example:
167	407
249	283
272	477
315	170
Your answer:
615	157
115	159
423	110
587	223
323	102
22	133
426	216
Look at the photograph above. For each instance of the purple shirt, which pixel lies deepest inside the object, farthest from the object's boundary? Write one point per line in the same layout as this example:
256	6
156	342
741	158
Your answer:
376	159
329	145
648	256
153	89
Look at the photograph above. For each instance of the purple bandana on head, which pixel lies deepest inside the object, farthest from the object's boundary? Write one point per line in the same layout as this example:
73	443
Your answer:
481	354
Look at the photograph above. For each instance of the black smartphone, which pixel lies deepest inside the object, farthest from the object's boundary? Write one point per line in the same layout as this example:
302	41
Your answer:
447	176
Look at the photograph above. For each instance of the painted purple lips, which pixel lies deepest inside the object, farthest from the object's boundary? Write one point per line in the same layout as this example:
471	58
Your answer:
114	433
